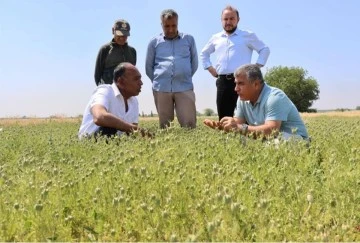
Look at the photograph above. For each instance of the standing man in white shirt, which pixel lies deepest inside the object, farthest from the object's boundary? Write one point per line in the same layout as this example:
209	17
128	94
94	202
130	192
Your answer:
233	47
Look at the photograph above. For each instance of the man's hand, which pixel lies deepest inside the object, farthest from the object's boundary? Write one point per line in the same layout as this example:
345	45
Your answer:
146	133
229	124
212	71
212	124
141	131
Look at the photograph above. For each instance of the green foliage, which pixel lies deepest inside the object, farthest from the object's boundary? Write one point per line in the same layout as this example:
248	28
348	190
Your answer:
209	112
302	90
183	185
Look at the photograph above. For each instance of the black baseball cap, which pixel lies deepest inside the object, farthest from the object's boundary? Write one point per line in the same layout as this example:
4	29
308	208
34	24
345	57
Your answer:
122	28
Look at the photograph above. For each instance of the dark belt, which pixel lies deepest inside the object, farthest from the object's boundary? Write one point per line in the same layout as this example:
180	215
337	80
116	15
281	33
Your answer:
228	76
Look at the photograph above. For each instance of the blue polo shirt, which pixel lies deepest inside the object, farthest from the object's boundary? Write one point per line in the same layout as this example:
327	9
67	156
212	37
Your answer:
272	105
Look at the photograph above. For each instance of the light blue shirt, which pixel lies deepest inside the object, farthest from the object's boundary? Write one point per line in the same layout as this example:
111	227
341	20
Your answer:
272	105
233	50
171	63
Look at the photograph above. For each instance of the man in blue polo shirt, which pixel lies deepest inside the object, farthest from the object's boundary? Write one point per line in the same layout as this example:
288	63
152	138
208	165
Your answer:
261	109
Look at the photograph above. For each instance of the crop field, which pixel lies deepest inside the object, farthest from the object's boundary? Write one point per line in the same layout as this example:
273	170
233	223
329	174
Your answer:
182	185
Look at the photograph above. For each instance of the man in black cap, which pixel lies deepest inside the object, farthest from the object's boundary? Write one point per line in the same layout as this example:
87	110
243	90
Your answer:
113	53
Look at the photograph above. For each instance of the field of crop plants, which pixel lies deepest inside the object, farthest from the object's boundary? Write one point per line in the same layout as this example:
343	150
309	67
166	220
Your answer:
182	185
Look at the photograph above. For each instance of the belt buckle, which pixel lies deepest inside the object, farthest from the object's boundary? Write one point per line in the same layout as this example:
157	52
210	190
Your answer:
228	76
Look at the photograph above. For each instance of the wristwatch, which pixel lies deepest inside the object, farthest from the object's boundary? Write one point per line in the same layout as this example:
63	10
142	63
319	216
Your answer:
244	128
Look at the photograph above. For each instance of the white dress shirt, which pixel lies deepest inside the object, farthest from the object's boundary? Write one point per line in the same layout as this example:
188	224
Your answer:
110	97
233	50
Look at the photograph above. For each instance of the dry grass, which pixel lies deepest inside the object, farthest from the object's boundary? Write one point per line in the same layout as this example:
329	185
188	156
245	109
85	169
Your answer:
32	121
355	113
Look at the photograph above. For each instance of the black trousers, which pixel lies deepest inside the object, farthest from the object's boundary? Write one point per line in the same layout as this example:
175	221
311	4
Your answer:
105	131
226	97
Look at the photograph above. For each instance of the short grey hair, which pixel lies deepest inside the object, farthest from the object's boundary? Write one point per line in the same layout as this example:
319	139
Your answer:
252	72
168	14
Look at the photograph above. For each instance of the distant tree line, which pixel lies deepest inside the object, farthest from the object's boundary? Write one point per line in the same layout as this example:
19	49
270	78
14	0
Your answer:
301	88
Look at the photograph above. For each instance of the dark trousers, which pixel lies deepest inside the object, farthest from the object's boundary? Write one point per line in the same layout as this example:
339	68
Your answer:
226	97
105	131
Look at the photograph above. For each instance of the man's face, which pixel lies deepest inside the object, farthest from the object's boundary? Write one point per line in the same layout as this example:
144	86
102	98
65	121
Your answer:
245	89
120	40
229	20
131	82
170	27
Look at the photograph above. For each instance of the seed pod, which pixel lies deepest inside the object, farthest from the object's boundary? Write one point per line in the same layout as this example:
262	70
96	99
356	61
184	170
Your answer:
173	238
165	214
210	227
227	199
97	190
16	206
191	238
310	198
38	207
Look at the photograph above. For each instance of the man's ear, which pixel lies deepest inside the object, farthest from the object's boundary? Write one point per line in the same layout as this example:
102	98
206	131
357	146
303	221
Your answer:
120	81
117	81
257	83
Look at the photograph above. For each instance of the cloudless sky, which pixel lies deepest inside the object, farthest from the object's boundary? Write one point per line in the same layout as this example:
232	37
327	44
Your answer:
48	47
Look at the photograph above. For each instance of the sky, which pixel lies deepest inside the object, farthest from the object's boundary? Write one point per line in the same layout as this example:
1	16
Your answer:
48	47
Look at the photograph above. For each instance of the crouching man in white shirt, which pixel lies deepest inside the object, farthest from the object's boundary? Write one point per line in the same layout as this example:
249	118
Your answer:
113	108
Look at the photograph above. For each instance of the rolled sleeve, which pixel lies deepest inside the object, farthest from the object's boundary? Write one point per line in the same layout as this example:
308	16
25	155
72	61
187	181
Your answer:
259	46
263	55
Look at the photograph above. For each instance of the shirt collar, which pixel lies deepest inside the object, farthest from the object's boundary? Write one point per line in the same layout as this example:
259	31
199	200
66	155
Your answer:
116	90
262	93
179	36
116	44
236	32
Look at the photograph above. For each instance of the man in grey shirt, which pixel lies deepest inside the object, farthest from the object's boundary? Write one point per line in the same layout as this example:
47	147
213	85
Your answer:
171	61
261	109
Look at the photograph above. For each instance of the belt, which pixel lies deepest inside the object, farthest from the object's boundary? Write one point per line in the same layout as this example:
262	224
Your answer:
226	76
